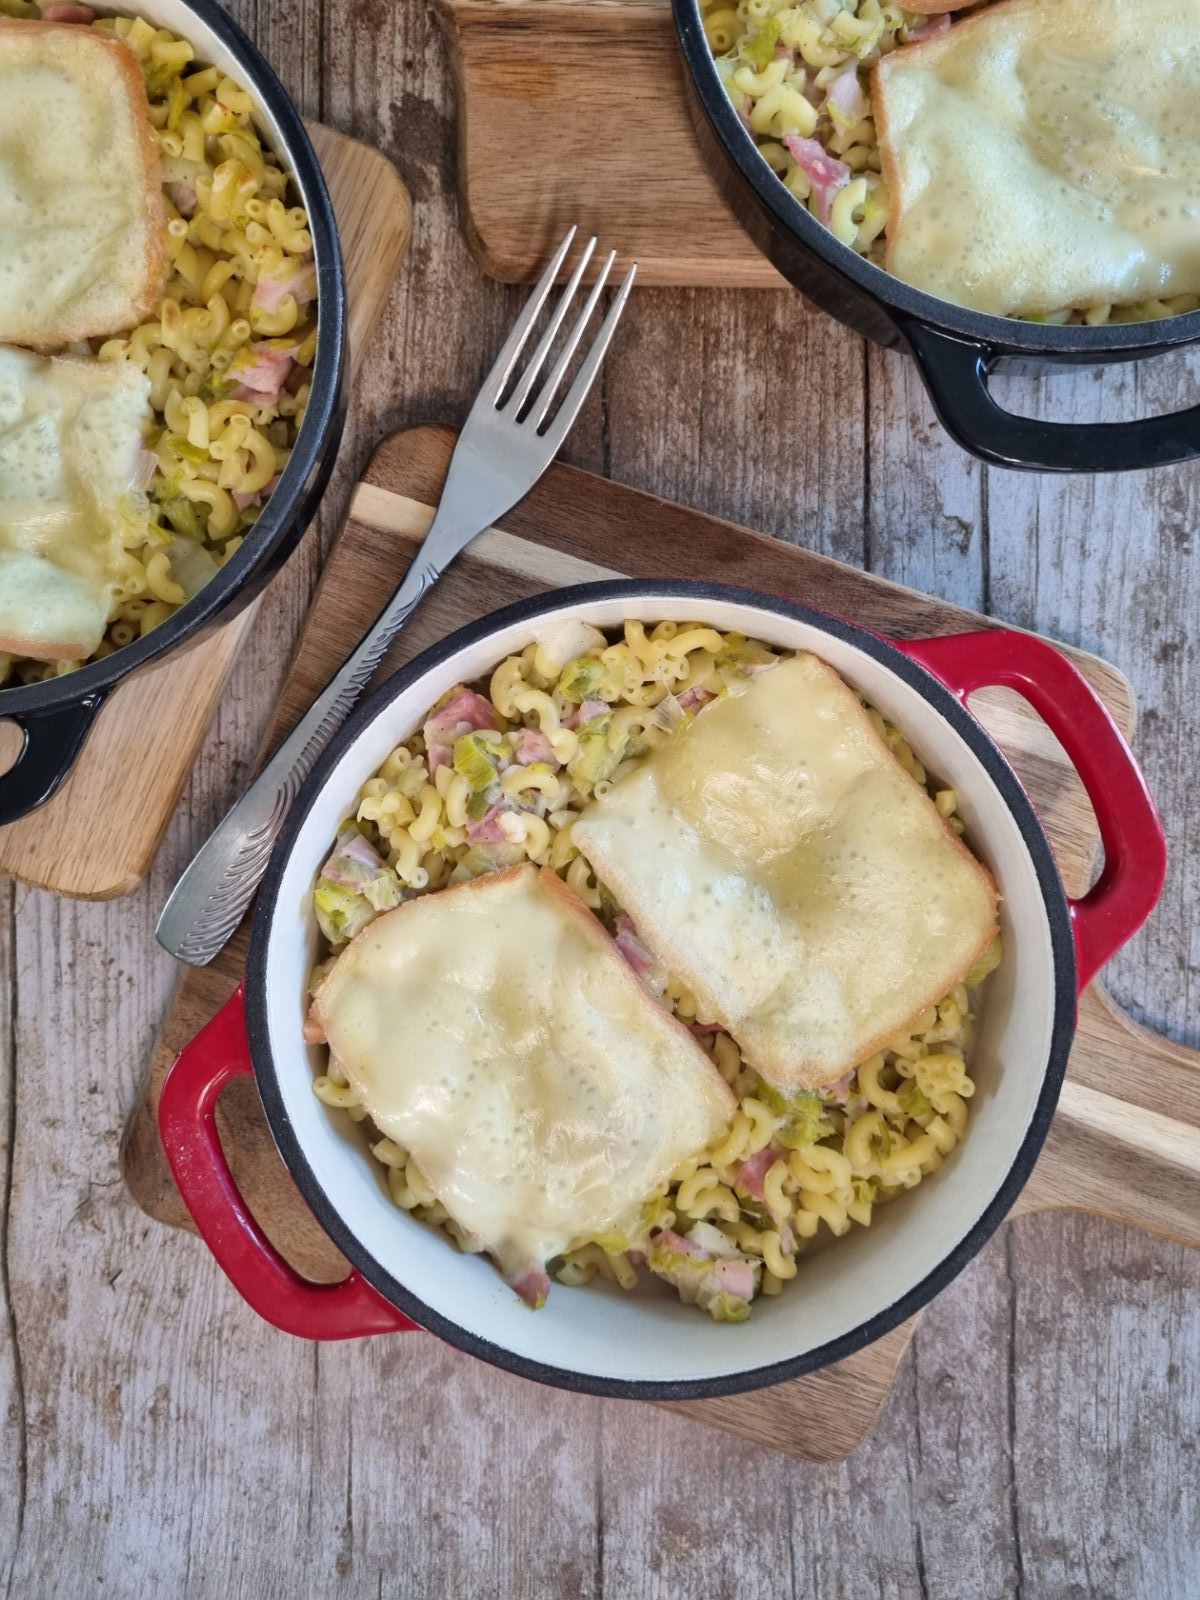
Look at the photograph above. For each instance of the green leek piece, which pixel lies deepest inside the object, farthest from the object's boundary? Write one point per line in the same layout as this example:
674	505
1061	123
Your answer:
589	678
758	49
473	761
340	914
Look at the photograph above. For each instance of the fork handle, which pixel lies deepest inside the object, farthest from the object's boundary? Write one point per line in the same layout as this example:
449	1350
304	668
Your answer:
211	897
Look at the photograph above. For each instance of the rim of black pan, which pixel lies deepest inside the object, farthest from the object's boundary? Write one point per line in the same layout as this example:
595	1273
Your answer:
790	214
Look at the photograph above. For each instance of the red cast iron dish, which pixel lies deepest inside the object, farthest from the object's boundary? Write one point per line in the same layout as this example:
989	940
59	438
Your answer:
1090	929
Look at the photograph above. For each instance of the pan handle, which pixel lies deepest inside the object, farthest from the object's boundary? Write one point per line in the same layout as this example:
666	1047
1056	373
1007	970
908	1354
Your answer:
1135	852
267	1282
956	372
52	740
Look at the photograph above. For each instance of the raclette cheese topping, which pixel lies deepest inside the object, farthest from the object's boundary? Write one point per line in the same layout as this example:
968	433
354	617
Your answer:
780	863
493	1031
1046	154
82	244
70	460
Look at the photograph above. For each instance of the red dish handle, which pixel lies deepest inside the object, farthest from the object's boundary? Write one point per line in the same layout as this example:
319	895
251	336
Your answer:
187	1126
1135	852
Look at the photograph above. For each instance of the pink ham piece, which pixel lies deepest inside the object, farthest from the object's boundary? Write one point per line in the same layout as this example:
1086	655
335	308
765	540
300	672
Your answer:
530	745
825	172
487	829
270	293
734	1278
59	12
695	699
636	954
261	374
681	1244
463	712
753	1171
585	713
845	100
183	198
930	29
314	1030
533	1285
352	863
841	1089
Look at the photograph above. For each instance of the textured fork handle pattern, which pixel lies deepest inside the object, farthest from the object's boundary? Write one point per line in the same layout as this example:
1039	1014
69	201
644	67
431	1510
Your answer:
212	896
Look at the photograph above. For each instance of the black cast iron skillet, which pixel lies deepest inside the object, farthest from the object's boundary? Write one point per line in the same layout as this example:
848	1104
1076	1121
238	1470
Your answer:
956	350
56	716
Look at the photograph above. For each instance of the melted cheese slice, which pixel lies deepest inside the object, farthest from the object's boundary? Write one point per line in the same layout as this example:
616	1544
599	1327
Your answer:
1045	154
494	1032
780	862
70	445
82	245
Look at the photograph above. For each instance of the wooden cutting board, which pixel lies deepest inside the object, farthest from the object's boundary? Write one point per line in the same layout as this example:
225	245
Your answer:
1126	1141
89	842
577	111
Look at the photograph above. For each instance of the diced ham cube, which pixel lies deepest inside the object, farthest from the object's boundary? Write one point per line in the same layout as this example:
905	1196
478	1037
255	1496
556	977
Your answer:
753	1171
530	745
825	173
270	293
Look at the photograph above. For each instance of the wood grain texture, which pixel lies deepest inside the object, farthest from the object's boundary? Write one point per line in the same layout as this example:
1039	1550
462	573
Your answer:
1040	1441
168	707
547	136
1128	1142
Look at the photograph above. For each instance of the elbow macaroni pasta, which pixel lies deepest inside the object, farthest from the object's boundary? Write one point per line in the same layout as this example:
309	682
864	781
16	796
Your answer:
239	300
783	1174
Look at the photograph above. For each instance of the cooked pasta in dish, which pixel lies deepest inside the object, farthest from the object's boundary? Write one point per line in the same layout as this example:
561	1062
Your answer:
499	775
799	76
229	350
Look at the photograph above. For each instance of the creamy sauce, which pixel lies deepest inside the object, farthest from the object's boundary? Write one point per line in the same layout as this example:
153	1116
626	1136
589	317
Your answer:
70	441
777	858
1046	153
494	1032
78	185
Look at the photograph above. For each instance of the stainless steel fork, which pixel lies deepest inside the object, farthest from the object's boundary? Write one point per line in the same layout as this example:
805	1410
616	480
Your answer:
508	441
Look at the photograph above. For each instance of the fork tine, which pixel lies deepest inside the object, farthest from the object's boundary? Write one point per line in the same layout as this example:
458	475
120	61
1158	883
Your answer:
493	384
577	393
541	405
538	359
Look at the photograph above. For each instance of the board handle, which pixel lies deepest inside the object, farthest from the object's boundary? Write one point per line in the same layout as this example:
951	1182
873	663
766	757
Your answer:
1135	851
267	1282
1125	1140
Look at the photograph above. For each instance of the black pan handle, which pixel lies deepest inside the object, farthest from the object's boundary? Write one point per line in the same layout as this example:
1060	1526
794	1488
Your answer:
956	372
53	739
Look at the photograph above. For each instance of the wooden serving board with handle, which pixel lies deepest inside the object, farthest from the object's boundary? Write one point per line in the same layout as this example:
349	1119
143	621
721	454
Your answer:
167	708
577	111
1126	1141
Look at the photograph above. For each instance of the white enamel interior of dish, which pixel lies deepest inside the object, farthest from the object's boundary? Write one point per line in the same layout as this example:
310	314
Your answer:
649	1335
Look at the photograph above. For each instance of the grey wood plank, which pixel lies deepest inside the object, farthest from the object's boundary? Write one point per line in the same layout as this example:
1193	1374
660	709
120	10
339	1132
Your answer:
1106	1410
1110	563
1041	1439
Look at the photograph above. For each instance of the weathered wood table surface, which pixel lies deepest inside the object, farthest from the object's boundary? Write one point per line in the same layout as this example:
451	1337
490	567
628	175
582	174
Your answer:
157	1440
